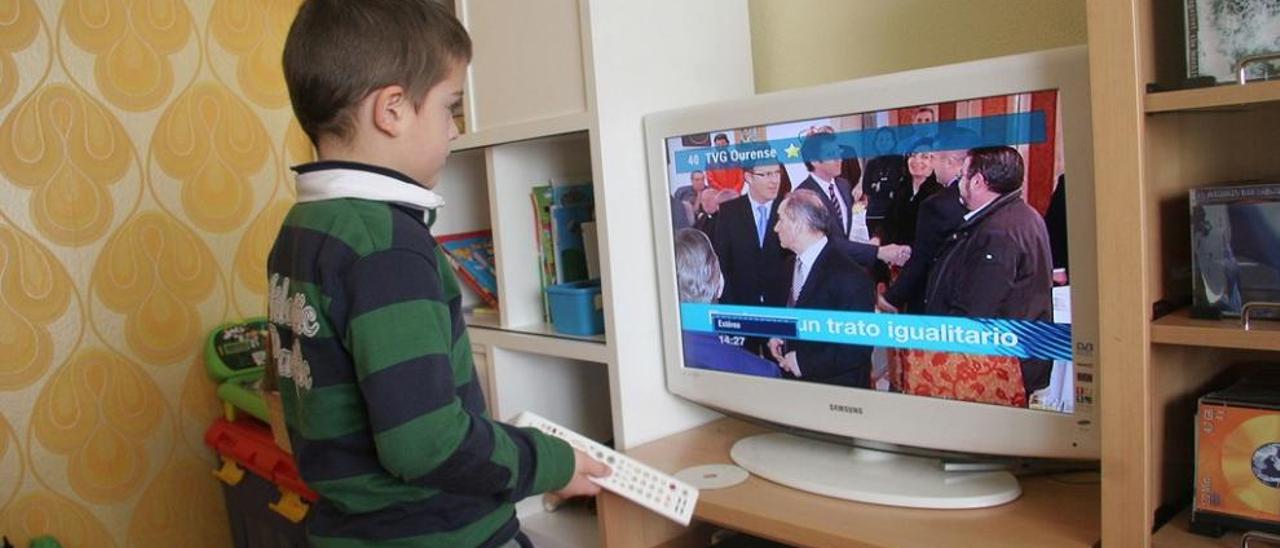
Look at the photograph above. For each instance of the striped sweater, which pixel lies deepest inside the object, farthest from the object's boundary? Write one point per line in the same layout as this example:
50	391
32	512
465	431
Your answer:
386	418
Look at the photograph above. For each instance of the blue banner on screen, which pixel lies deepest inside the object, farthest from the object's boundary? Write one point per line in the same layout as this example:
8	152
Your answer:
1023	128
1018	338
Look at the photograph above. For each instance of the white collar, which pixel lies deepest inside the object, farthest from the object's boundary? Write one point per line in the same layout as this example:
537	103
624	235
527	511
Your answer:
352	181
810	254
975	212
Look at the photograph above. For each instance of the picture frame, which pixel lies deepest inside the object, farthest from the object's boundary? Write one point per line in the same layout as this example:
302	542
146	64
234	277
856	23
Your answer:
1222	32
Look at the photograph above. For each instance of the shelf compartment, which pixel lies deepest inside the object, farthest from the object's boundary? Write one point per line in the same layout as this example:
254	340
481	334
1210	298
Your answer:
539	339
463	186
573	525
524	131
514	169
573	393
1231	95
1179	328
527	61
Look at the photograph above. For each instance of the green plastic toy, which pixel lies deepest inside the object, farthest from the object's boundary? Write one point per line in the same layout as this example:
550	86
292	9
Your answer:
235	357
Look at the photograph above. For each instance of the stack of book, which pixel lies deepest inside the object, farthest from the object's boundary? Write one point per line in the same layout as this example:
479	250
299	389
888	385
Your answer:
560	211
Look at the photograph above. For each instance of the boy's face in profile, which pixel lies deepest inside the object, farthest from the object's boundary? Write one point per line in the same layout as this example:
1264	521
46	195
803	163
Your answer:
433	129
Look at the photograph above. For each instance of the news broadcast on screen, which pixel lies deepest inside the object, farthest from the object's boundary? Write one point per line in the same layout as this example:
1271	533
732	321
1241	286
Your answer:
918	250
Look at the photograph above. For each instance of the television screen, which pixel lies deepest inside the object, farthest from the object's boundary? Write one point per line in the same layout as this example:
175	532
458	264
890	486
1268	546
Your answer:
918	250
904	259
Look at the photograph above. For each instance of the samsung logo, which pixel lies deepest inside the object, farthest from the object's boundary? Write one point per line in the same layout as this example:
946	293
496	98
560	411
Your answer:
845	409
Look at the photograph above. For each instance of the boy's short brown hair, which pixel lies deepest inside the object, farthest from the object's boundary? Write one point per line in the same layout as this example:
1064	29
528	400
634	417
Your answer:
338	51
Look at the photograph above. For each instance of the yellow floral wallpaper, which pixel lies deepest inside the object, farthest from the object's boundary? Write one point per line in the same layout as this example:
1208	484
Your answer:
144	153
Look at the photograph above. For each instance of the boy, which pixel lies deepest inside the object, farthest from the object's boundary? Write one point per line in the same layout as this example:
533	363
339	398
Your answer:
385	415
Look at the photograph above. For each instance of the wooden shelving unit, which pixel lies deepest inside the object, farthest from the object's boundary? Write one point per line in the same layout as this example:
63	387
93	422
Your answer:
1222	96
1150	150
1181	329
1052	511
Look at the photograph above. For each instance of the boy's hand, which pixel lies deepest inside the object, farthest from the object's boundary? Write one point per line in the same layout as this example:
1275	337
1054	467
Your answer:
583	467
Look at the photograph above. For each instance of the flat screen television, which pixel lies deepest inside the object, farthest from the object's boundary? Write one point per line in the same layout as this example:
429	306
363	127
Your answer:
906	261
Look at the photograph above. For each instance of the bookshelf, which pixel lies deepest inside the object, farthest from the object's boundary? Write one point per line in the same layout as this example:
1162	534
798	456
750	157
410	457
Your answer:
560	125
1213	97
1150	149
1180	328
556	91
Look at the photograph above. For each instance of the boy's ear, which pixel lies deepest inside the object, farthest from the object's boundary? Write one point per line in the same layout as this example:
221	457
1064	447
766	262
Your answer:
391	109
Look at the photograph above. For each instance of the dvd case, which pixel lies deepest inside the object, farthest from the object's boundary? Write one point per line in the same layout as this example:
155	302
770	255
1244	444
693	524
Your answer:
1235	248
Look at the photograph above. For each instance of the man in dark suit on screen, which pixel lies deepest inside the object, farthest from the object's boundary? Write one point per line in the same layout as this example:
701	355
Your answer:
822	277
938	216
997	263
822	157
751	257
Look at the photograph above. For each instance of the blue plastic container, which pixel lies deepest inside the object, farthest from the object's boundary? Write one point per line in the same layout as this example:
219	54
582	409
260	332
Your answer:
577	307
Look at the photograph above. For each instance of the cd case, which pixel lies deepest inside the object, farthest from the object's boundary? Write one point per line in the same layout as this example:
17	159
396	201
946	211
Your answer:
1235	249
1238	456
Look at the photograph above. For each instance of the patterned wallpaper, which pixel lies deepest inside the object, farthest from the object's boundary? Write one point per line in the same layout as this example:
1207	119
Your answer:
144	147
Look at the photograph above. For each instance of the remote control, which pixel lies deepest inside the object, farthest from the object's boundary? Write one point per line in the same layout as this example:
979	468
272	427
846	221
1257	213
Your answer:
633	480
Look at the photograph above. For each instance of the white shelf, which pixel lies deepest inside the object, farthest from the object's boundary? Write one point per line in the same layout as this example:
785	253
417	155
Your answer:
573	525
539	339
559	125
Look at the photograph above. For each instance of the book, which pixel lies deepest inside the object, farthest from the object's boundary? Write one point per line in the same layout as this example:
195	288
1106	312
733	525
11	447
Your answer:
567	240
542	197
574	205
590	244
558	213
471	255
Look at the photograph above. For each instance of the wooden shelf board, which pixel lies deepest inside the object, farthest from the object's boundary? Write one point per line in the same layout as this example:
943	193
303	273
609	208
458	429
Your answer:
1181	329
1050	512
1228	95
559	125
540	339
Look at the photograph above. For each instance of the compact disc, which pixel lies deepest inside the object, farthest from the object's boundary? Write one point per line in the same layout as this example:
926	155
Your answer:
713	476
1251	462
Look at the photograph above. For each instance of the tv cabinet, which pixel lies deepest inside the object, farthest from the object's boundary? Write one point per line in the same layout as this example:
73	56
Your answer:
1061	510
